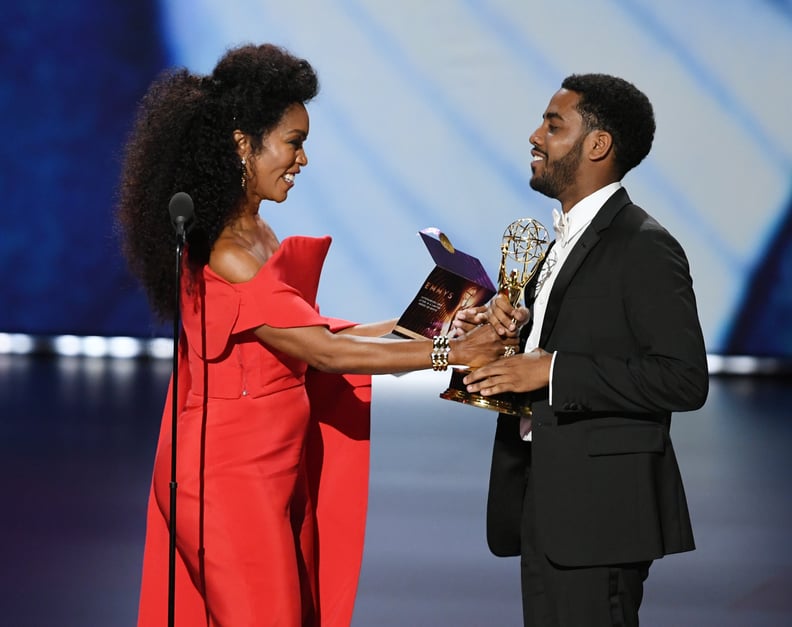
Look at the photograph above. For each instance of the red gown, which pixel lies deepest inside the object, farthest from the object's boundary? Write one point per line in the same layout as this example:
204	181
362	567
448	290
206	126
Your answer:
272	462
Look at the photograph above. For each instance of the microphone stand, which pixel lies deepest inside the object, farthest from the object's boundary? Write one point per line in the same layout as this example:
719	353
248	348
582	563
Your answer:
180	240
181	211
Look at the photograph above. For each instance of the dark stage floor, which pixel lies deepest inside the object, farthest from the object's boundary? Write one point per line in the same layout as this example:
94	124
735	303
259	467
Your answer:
77	438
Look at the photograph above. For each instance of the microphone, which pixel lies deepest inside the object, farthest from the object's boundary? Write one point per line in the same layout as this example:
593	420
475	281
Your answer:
181	211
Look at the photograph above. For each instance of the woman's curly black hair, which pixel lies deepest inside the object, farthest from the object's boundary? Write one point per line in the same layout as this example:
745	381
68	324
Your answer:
618	107
182	141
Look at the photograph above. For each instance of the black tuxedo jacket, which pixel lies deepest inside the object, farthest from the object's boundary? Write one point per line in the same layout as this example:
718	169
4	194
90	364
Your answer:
623	323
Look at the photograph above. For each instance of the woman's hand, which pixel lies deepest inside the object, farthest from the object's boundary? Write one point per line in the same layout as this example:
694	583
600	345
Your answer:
500	313
480	346
467	319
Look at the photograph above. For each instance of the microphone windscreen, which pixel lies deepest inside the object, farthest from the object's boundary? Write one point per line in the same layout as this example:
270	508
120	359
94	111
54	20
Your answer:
181	207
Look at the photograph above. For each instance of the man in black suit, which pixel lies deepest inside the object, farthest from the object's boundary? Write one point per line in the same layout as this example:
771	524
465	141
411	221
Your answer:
587	490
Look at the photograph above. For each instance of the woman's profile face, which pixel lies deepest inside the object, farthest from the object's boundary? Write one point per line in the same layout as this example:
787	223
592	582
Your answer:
272	171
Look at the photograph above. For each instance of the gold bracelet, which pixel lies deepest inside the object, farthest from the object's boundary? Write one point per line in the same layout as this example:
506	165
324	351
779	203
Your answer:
440	350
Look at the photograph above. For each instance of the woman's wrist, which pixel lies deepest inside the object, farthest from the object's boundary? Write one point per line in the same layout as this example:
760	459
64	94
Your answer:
441	352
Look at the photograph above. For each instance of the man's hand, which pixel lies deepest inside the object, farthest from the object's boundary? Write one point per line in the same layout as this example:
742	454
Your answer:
525	372
506	319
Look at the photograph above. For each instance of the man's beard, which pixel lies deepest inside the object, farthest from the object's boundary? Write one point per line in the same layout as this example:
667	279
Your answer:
559	175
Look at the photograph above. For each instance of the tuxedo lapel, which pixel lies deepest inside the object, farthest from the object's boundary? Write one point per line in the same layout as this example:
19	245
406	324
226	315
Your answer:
530	287
588	240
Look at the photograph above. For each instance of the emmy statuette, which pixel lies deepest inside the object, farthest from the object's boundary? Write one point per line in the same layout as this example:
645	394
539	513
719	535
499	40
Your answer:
523	247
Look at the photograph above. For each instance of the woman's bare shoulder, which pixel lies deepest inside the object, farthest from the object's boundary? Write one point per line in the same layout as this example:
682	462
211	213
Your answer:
234	261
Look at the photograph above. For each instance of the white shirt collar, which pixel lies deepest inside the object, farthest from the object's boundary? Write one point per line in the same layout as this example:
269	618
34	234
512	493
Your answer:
583	212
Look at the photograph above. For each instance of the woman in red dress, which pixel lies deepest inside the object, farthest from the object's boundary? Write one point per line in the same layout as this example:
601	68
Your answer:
272	439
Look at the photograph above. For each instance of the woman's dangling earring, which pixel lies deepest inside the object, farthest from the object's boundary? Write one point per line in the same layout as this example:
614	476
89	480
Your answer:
244	175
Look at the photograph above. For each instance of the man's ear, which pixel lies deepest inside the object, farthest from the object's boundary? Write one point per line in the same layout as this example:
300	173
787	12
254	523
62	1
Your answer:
600	146
242	142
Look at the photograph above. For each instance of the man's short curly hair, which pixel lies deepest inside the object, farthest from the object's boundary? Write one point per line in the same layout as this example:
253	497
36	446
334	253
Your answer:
618	107
182	141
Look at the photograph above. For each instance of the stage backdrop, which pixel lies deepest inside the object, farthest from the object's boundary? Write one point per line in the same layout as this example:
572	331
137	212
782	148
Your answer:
423	120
